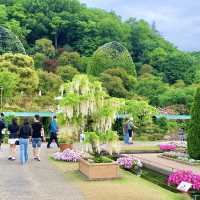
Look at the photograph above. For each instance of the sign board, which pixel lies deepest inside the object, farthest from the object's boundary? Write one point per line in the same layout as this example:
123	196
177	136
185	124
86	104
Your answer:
184	186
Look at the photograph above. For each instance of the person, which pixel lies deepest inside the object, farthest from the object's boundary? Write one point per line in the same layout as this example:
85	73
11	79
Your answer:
181	134
2	126
24	136
13	129
131	126
82	139
53	129
126	134
37	135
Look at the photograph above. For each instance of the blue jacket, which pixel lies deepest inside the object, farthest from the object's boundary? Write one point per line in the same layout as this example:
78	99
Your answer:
53	127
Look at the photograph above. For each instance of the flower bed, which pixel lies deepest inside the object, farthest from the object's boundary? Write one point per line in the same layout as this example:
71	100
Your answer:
167	147
130	163
176	178
67	155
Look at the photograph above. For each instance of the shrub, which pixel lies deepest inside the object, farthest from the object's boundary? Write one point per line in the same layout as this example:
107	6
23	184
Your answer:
194	130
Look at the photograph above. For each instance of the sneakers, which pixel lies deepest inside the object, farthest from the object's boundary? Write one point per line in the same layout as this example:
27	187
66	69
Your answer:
12	158
37	158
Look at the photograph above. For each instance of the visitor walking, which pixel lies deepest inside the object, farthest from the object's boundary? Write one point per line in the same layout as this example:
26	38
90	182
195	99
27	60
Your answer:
24	136
37	135
53	129
2	126
13	129
126	134
131	127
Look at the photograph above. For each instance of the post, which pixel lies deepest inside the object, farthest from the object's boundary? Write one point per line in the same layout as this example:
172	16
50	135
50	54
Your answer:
1	88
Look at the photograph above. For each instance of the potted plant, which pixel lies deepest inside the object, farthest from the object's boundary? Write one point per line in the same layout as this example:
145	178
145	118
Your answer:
99	166
65	141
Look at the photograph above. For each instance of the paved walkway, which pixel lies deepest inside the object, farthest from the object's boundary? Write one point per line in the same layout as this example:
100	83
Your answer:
165	164
36	180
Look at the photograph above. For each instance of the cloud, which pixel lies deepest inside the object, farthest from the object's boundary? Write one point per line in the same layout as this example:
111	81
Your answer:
177	20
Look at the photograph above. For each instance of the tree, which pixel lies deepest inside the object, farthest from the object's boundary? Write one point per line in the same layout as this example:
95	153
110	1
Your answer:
49	83
141	111
175	65
70	58
45	46
193	138
144	40
39	59
18	59
9	82
67	72
22	65
151	87
114	86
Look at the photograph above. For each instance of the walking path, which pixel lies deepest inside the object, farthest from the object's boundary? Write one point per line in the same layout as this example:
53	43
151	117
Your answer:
165	164
36	180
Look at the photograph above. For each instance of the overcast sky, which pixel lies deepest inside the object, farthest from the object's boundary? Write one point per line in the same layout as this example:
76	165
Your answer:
177	20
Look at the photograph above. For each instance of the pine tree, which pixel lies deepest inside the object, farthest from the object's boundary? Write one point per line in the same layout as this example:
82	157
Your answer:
194	130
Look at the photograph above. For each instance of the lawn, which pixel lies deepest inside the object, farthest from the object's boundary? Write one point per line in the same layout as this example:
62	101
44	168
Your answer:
139	148
127	187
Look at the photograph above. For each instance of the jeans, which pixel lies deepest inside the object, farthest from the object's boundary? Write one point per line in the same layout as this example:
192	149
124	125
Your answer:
126	138
36	142
23	150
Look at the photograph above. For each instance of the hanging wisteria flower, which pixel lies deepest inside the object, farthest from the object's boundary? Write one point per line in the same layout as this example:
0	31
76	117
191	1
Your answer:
128	162
67	155
176	178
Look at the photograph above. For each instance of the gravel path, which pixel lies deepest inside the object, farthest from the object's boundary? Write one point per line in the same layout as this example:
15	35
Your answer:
36	180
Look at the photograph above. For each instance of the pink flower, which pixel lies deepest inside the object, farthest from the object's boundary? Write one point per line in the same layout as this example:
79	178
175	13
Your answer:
167	147
68	155
177	177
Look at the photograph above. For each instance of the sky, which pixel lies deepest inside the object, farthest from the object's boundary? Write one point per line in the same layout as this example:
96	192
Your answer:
176	20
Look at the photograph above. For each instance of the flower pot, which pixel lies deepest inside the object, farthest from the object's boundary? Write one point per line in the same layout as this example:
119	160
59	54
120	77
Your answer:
65	146
99	171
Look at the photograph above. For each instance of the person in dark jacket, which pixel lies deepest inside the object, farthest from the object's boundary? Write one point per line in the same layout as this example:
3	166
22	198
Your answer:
13	129
24	136
37	135
2	126
53	129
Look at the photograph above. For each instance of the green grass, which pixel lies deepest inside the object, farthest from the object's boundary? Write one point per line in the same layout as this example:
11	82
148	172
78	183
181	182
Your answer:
140	148
128	186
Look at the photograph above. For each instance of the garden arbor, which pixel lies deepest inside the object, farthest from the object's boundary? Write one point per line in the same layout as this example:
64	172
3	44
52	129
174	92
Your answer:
111	55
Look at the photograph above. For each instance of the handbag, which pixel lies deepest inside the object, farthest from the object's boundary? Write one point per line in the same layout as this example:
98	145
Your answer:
17	142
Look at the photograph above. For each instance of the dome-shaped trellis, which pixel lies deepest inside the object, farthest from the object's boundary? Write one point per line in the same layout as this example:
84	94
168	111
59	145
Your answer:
9	42
110	55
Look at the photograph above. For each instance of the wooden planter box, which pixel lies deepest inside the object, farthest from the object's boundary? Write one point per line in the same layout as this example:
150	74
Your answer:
65	146
99	171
